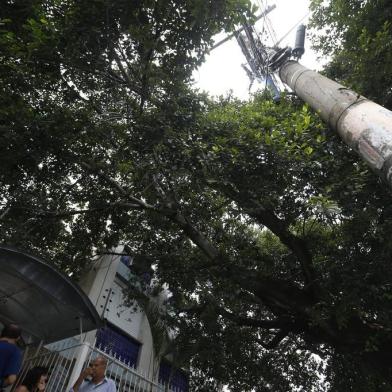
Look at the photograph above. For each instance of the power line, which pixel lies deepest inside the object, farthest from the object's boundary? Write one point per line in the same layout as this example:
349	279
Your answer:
263	14
281	39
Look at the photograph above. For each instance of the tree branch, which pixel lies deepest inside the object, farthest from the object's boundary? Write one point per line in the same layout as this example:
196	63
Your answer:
118	187
65	213
195	235
251	322
295	244
5	213
124	73
265	217
275	340
279	295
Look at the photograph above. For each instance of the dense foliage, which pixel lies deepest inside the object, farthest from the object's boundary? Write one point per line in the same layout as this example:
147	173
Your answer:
79	86
357	35
291	257
270	234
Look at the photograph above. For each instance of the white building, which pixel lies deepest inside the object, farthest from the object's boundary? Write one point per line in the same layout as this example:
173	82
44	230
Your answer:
125	338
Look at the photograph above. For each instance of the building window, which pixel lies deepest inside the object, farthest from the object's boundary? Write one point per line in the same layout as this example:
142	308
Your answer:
179	380
126	260
117	344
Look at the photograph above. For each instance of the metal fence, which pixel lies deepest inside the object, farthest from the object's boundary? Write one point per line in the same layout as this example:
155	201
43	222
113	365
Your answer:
62	361
59	363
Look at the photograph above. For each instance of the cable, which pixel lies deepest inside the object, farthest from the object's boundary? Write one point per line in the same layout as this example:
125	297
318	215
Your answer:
293	28
271	31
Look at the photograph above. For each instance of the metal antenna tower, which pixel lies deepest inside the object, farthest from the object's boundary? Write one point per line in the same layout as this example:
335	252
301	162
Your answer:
262	61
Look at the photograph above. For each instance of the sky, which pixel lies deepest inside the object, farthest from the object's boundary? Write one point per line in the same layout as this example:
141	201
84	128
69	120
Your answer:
222	69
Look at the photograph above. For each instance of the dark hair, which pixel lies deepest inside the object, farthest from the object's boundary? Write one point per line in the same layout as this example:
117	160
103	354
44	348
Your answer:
11	331
33	376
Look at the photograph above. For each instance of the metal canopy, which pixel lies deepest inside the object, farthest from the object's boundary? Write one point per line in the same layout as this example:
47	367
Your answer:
42	301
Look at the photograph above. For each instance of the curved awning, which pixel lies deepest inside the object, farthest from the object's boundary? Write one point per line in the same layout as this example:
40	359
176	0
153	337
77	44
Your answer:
41	300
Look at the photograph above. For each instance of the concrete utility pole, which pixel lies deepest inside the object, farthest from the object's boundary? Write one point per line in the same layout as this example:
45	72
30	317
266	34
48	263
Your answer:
361	123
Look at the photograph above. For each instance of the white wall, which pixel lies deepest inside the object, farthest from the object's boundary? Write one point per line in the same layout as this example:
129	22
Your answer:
132	322
105	291
98	281
120	314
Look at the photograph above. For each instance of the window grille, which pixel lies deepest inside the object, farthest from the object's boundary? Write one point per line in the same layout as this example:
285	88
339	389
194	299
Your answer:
179	380
118	345
126	260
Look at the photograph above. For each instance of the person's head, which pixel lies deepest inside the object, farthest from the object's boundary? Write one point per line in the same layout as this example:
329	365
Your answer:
36	379
98	367
11	332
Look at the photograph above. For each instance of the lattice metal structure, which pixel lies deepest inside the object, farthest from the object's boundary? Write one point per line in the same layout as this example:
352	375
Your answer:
263	61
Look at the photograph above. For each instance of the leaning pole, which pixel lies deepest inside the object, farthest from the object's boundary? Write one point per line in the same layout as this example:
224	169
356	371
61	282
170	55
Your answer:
364	125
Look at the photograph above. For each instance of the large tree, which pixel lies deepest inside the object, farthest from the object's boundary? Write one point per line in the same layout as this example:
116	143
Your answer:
272	236
290	256
80	83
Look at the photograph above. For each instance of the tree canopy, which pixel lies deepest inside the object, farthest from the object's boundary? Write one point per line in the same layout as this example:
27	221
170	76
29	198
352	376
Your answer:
76	83
270	233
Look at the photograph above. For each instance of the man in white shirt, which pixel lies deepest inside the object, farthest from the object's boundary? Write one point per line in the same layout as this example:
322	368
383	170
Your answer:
98	382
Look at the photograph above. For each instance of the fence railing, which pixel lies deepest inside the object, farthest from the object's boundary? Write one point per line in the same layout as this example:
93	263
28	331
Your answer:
60	365
62	361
